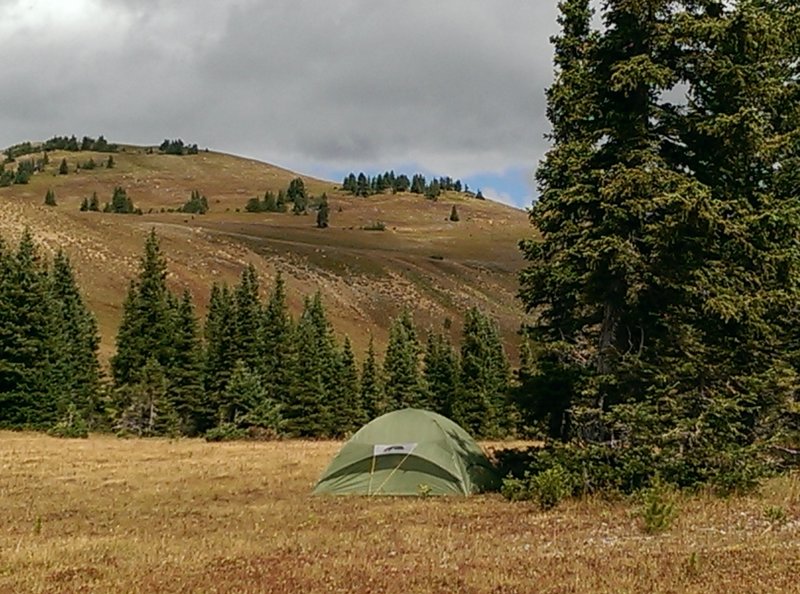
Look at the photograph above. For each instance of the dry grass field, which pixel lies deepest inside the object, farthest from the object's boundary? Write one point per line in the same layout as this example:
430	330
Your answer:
113	516
422	260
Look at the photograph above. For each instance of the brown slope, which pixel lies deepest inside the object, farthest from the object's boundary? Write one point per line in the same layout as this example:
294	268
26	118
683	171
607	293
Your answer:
422	260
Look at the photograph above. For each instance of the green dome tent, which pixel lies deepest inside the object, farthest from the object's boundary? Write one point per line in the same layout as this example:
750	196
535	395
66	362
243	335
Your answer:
409	452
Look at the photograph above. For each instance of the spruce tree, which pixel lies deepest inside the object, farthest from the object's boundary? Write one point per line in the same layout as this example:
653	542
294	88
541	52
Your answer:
372	394
454	214
29	392
401	367
347	407
323	212
276	344
147	325
186	371
308	412
50	198
220	352
75	333
63	168
144	408
441	374
658	284
481	404
247	319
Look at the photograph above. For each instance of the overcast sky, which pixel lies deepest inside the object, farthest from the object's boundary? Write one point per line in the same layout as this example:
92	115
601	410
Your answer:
448	87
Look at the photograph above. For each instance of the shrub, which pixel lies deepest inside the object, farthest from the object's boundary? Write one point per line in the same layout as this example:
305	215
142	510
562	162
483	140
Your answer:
547	488
376	226
657	511
72	425
226	432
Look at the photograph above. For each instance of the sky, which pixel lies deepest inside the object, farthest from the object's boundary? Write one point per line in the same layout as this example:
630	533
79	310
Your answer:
322	87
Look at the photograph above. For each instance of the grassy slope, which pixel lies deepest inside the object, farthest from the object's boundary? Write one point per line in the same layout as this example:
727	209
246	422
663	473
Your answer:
110	515
422	260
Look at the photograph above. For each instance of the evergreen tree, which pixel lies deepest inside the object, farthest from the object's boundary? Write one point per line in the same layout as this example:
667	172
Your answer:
276	344
147	326
481	403
308	413
219	333
29	394
454	214
280	201
441	374
270	202
372	394
50	198
94	202
418	184
658	284
84	204
76	364
362	185
322	212
186	374
296	190
242	395
247	319
401	183
347	407
403	381
63	168
433	190
144	409
110	162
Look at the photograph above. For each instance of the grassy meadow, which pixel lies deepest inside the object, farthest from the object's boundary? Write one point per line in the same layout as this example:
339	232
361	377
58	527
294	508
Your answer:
109	515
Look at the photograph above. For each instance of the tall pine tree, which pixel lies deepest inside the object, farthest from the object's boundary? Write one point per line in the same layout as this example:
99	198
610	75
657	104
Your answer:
666	256
403	385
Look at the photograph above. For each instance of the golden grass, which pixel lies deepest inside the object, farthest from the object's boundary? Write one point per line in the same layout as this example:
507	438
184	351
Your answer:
108	515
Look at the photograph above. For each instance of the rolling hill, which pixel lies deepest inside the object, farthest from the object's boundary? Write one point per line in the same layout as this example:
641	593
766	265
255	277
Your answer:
421	260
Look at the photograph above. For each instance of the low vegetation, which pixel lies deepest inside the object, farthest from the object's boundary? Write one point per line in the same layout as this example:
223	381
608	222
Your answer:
175	516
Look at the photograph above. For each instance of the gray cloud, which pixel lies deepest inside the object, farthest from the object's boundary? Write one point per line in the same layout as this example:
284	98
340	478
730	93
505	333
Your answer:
456	86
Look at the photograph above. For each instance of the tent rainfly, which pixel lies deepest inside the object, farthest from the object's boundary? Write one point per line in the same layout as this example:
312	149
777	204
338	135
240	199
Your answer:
409	452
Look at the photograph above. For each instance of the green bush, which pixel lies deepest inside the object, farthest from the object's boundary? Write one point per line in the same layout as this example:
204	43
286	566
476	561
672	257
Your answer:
226	432
547	488
71	426
657	511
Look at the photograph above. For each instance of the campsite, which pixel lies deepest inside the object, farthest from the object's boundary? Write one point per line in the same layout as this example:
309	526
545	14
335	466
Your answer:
454	297
183	516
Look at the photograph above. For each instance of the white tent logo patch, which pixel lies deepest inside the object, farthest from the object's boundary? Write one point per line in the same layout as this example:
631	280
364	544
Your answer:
380	449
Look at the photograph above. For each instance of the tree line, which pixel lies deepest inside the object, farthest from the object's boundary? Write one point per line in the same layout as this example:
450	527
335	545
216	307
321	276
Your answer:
364	185
248	369
177	147
64	143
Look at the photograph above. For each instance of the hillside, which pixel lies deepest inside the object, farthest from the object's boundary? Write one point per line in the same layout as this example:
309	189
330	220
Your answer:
422	260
